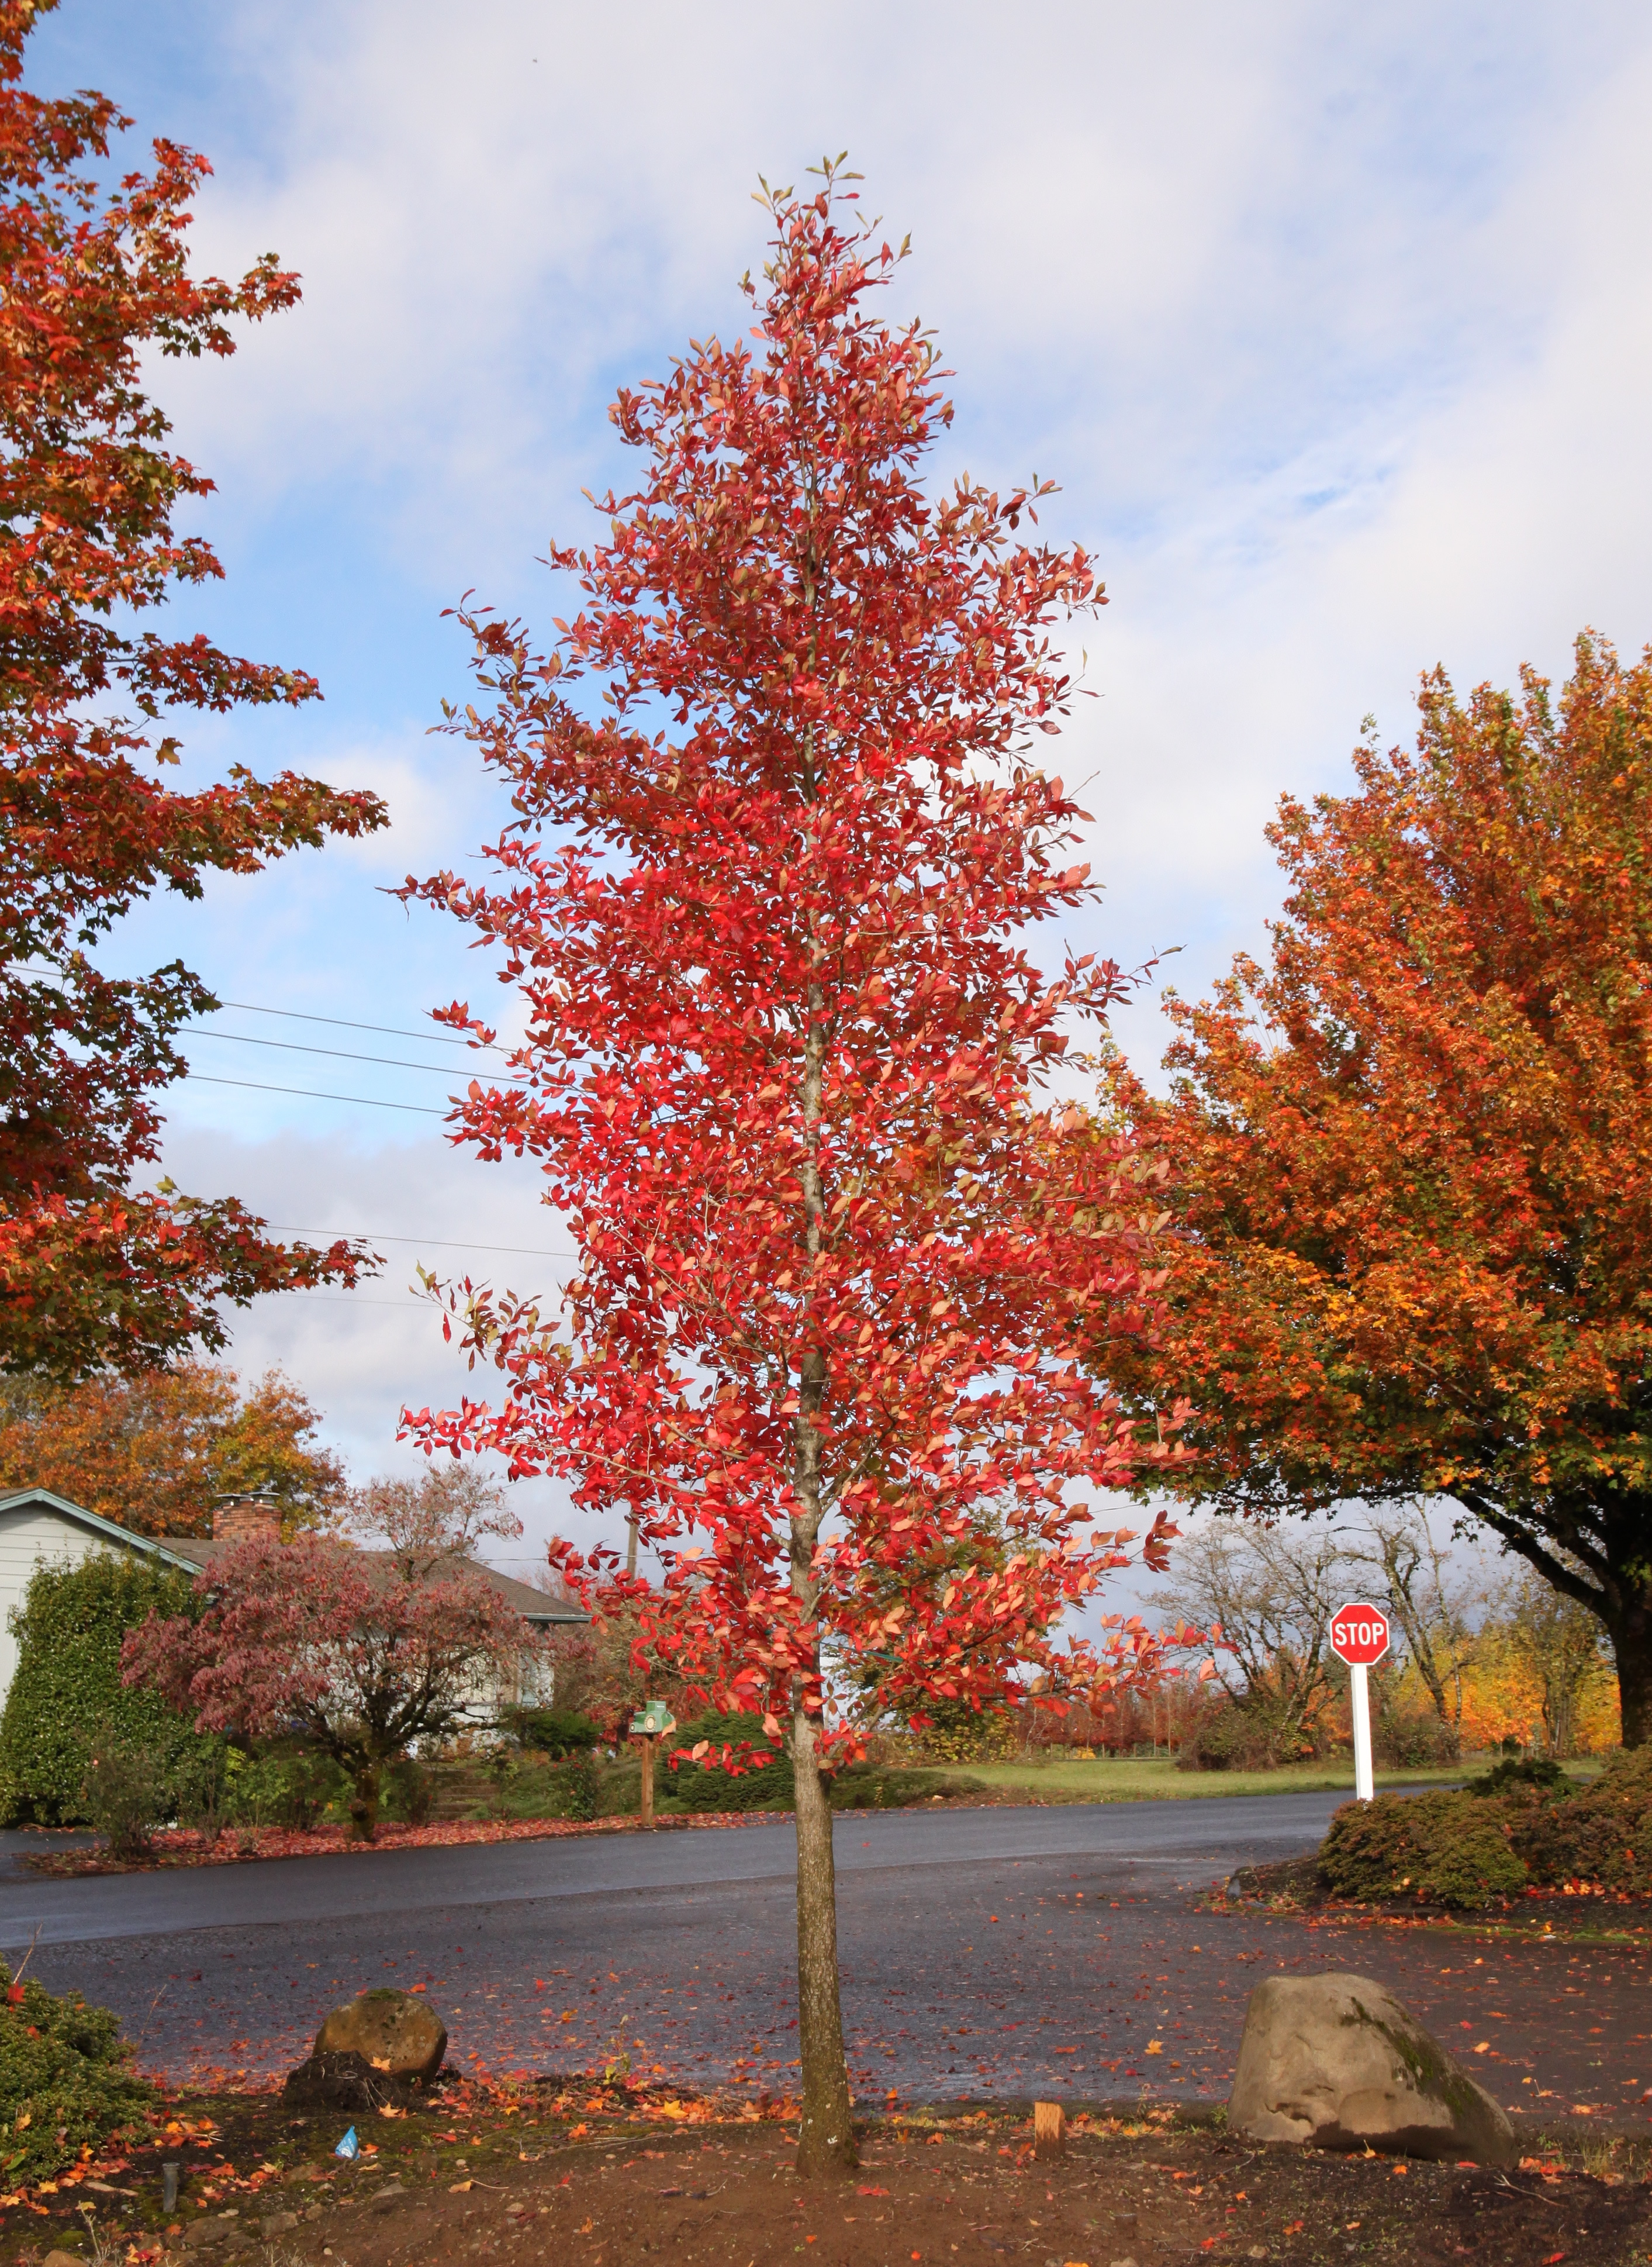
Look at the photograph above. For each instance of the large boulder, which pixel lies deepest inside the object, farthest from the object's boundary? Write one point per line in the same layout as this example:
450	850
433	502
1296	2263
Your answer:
384	2048
397	2032
1335	2060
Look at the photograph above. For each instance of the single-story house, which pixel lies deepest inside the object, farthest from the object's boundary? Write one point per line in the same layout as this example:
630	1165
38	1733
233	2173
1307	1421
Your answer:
37	1526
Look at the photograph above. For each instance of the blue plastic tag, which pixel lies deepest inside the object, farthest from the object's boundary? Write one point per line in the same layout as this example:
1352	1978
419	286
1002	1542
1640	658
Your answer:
349	2146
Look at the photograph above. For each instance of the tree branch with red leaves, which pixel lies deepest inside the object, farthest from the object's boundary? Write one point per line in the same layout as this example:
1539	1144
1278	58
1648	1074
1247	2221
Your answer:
92	1275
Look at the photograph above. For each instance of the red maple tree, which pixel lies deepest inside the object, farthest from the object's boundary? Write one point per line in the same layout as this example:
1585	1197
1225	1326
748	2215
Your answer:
1408	1156
360	1651
91	1271
780	835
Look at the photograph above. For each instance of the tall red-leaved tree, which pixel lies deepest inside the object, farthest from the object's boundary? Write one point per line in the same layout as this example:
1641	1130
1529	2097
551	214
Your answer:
780	833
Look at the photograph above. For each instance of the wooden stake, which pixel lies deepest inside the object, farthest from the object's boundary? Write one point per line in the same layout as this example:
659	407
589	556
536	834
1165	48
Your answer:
1049	2127
647	1781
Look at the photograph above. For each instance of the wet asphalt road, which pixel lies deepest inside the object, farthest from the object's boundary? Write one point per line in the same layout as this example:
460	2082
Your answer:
988	1952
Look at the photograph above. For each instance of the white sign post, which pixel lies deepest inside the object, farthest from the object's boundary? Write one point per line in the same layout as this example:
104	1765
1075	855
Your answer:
1359	1636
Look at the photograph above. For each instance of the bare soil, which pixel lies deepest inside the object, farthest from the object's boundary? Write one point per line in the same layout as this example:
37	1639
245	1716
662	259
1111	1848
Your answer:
578	2176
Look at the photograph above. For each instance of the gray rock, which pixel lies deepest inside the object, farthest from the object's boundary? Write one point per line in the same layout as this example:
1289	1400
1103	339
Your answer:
277	2223
1336	2060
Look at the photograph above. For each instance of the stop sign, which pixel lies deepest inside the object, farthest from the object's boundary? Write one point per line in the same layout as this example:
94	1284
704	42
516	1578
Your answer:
1359	1634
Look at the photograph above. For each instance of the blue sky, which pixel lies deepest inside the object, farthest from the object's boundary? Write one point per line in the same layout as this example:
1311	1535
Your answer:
1333	326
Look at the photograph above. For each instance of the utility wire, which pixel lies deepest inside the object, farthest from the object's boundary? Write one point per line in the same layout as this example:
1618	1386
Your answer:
312	1094
433	1243
385	1030
339	1055
340	1022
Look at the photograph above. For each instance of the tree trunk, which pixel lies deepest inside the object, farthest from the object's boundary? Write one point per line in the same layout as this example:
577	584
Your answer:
1631	1644
826	2144
826	2141
364	1804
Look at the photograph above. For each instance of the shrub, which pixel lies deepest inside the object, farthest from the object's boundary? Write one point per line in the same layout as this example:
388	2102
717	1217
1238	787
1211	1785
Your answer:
66	2083
409	1791
122	1793
957	1733
67	1685
283	1789
765	1783
1441	1848
555	1732
1413	1739
583	1785
1524	1772
1602	1833
1242	1735
871	1786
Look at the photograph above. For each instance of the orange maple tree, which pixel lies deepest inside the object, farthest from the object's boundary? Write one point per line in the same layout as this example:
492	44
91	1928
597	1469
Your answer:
154	1451
92	1272
779	837
1412	1159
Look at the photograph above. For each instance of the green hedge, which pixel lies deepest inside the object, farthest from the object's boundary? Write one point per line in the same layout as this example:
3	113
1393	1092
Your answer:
68	1686
66	2081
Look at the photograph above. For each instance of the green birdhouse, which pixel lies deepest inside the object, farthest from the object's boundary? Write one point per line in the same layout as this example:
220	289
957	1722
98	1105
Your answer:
652	1721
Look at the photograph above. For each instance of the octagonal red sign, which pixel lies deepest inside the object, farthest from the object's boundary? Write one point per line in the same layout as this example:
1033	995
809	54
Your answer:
1359	1634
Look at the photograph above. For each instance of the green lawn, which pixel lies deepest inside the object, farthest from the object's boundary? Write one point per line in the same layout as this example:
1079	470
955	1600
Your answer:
1142	1779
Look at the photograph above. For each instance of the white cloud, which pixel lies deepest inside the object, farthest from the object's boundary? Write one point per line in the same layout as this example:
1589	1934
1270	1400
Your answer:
1336	328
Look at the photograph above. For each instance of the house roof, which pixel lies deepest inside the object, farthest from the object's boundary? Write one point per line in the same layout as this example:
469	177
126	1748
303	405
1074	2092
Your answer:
192	1555
150	1546
533	1605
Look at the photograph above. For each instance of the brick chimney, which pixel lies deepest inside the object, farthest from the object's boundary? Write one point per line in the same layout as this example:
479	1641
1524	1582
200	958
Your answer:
244	1518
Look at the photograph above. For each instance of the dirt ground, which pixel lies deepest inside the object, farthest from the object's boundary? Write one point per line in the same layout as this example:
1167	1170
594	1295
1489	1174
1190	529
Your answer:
603	2181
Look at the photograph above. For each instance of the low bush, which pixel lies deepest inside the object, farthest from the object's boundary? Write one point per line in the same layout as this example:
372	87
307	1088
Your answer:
409	1792
122	1794
66	2080
764	1782
282	1788
1442	1849
582	1786
871	1786
1521	1771
554	1732
1600	1833
1243	1735
1522	1824
1413	1739
957	1733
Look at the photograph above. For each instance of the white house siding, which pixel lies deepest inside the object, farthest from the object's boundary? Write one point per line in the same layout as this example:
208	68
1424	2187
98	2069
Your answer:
31	1534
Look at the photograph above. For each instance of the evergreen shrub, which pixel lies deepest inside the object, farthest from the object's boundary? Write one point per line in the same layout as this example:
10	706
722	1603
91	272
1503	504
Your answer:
758	1785
1441	1848
67	1689
554	1732
66	2080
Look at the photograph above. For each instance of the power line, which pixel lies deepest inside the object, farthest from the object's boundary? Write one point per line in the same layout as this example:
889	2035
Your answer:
385	1030
339	1055
433	1243
312	1094
340	1022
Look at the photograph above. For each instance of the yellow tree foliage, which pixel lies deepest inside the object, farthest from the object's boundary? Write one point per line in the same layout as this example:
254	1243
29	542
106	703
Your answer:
151	1452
